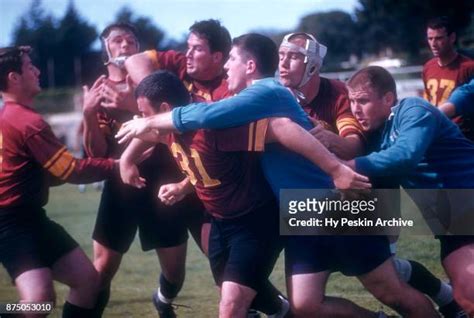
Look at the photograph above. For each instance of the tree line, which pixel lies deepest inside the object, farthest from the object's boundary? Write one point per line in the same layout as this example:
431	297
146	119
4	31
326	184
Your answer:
64	47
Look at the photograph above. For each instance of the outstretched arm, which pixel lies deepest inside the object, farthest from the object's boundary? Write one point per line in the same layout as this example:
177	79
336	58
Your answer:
297	139
142	127
128	163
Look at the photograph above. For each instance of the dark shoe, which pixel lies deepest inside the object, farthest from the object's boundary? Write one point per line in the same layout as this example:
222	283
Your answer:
164	310
453	310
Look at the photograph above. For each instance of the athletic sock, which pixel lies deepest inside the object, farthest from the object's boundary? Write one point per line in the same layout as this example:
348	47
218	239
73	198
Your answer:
102	301
423	280
167	290
267	299
73	311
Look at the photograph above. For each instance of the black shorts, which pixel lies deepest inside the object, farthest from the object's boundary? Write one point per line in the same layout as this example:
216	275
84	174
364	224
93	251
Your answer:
29	240
450	243
124	209
351	255
244	249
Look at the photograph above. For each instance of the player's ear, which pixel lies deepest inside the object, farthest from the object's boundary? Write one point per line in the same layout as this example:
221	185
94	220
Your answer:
13	77
389	99
218	57
165	107
251	67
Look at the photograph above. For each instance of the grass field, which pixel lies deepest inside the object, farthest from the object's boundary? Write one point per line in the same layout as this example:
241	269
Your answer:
133	285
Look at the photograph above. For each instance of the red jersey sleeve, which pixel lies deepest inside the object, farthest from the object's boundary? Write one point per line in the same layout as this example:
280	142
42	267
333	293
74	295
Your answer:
250	137
172	61
345	121
53	156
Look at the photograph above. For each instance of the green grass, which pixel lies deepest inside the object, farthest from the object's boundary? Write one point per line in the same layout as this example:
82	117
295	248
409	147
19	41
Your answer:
133	285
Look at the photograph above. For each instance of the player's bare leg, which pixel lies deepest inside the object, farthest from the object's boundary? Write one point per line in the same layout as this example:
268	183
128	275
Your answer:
235	300
76	271
107	263
459	266
172	261
36	285
307	299
384	283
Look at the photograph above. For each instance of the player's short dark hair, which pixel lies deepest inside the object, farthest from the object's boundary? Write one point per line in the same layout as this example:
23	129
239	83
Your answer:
163	86
441	22
262	49
11	61
217	36
115	26
377	77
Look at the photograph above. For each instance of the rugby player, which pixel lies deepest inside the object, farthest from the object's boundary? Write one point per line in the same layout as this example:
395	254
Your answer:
34	249
419	147
447	69
327	102
201	70
324	100
123	209
307	269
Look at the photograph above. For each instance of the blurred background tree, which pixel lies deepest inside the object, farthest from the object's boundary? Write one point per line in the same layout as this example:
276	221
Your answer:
67	50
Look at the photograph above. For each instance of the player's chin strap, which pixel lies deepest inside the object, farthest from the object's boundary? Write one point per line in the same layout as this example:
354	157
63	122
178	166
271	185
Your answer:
313	51
118	61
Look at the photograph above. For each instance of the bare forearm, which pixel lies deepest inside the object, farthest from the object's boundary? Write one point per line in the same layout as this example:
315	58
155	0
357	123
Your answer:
162	122
134	151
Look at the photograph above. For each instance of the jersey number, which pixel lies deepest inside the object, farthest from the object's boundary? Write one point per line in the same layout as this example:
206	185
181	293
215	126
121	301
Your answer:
184	163
432	86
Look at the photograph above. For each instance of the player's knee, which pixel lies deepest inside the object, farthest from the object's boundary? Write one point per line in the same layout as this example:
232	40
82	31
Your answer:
107	265
463	293
41	293
390	299
88	281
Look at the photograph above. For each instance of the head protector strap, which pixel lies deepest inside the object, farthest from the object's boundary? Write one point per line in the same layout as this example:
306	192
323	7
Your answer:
118	61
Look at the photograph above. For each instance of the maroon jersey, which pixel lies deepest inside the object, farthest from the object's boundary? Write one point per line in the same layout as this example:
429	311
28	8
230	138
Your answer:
201	91
440	81
30	154
227	177
158	168
332	107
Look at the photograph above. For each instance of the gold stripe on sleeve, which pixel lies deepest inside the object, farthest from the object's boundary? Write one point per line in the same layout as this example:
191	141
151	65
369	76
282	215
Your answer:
251	134
54	157
62	164
70	170
262	126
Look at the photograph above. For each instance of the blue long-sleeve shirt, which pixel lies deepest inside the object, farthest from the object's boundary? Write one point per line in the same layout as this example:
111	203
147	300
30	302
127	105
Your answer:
422	148
265	98
463	99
